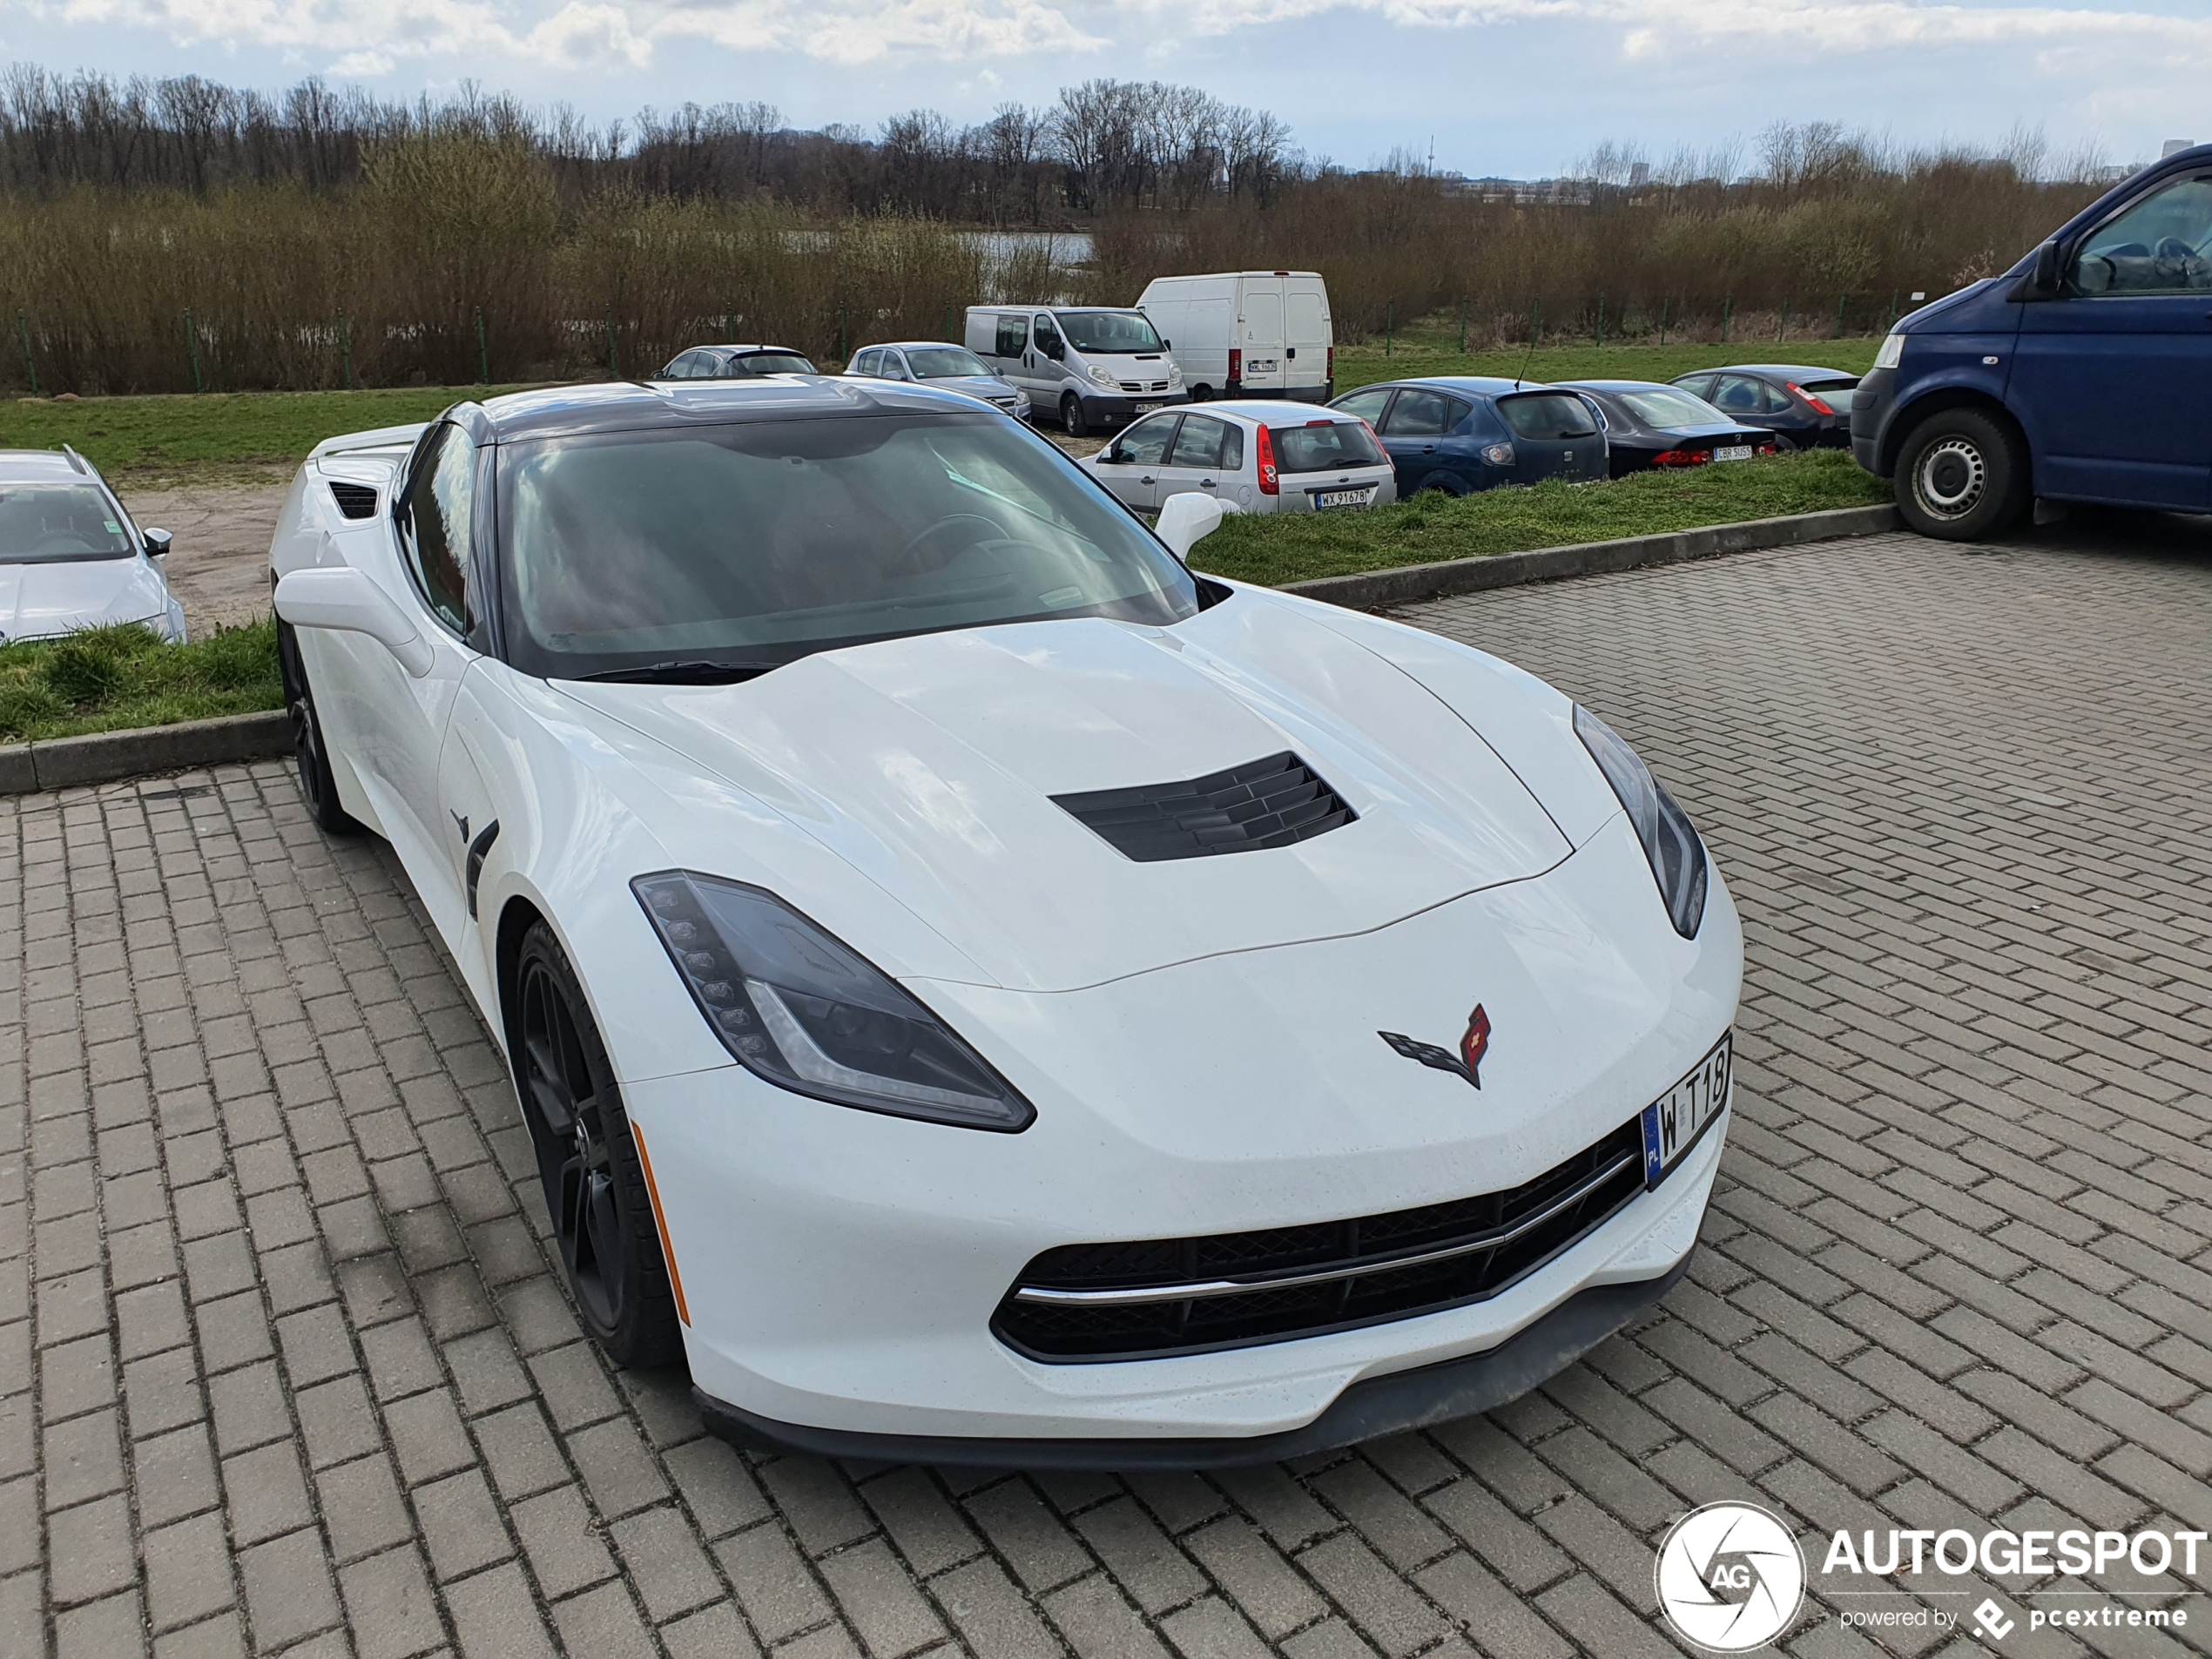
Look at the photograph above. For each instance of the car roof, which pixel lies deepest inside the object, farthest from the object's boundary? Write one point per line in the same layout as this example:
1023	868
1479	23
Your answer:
908	344
1619	385
1272	411
1780	371
1480	385
634	405
42	463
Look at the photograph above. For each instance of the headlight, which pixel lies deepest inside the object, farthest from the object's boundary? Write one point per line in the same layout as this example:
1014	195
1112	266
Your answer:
1102	375
1174	374
794	1006
1498	455
1671	842
1892	352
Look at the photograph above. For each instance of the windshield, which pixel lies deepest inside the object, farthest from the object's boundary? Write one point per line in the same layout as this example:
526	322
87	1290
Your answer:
1547	414
758	543
1672	408
1108	333
46	522
943	362
772	362
1323	446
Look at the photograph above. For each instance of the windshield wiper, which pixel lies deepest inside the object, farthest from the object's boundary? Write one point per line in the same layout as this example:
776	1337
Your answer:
686	672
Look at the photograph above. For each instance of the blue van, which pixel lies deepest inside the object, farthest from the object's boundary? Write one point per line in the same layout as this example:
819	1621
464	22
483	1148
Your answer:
2084	374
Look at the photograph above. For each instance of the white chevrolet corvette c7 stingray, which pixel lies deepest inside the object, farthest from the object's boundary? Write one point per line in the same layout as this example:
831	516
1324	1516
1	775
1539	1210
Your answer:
979	992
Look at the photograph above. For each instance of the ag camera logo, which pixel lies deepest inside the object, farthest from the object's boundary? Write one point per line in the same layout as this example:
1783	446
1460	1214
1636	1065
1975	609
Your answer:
1730	1577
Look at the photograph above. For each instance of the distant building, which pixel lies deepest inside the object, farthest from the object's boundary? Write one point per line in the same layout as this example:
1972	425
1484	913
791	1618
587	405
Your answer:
2175	147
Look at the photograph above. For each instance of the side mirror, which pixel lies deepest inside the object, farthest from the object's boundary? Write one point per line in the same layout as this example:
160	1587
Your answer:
346	602
2049	274
157	543
1166	344
1189	518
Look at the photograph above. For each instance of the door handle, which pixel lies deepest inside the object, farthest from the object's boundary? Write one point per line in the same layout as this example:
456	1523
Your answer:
1207	483
1145	481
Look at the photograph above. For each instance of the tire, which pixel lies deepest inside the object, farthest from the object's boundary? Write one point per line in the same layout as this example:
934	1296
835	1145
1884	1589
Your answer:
1073	422
1440	483
1202	394
311	761
587	1158
1961	475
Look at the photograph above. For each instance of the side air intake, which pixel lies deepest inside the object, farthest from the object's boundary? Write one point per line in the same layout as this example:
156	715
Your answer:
355	501
1264	803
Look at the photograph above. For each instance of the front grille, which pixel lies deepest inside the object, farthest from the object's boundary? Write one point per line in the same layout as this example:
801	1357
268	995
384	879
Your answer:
1140	386
1153	1298
1264	803
355	501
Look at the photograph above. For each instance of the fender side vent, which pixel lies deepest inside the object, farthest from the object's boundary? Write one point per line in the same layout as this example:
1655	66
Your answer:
1264	803
355	501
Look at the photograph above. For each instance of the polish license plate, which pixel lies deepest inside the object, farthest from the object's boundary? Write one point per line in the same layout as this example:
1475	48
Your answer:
1146	409
1733	452
1323	499
1678	1119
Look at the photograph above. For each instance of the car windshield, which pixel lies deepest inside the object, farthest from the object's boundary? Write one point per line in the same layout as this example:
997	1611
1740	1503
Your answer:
756	544
1547	414
1320	446
943	362
1109	332
1668	408
772	362
43	522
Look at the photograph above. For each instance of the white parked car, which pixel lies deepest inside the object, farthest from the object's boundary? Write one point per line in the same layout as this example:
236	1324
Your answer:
1262	455
978	991
1247	333
71	557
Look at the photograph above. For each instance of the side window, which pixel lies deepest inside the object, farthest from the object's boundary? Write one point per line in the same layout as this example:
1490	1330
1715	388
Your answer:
1199	442
2160	244
864	362
1698	386
1773	400
1145	443
1738	394
891	365
1232	448
1014	336
435	523
1048	335
1367	405
1418	414
1456	411
684	368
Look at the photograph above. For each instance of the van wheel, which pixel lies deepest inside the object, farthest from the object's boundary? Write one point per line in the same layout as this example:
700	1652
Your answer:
318	787
1961	475
1202	394
1072	420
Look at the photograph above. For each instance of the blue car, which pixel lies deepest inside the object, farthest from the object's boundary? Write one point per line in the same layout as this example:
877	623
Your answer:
1461	433
2084	374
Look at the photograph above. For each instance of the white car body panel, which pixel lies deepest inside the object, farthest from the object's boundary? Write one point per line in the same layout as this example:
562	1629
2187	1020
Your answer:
1147	486
1198	1037
45	599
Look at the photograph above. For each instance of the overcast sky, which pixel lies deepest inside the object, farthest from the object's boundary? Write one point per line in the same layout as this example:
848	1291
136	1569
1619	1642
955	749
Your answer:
1517	87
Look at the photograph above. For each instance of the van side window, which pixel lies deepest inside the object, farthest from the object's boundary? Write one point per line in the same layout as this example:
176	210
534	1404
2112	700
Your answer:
1048	335
1014	336
435	521
2161	245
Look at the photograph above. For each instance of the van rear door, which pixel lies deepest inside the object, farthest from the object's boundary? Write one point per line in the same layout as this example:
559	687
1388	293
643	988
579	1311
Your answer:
1259	332
1306	338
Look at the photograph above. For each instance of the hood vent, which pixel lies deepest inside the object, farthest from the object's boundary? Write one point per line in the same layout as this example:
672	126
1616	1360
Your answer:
1264	803
355	501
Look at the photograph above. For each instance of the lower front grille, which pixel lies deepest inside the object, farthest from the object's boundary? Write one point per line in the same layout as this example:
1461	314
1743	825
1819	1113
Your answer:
1152	1297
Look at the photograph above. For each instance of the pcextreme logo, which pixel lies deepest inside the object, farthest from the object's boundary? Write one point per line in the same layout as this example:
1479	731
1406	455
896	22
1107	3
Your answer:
1730	1577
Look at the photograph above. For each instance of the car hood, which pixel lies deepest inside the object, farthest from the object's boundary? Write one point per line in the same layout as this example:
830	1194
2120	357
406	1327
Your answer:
60	595
987	386
929	766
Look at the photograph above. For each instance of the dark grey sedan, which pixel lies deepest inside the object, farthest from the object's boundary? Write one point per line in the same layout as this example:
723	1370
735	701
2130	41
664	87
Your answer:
931	362
735	363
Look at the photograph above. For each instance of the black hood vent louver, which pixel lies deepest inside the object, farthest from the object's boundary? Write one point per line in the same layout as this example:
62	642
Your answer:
1266	803
355	501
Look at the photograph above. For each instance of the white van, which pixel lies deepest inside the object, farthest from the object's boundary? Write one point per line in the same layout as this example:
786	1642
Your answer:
1091	367
1247	333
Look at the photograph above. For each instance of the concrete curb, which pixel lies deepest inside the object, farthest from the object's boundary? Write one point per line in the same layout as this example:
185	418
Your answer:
1411	584
103	757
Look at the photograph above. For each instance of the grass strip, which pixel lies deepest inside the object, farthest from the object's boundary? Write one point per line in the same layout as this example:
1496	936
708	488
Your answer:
112	679
1297	547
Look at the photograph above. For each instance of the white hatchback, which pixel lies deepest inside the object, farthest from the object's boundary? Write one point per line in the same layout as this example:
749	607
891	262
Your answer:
1258	455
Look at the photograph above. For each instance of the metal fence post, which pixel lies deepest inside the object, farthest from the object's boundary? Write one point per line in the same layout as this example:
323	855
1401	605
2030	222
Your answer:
1600	321
191	347
483	357
1840	298
613	374
1463	325
29	362
1535	320
1783	332
1390	319
1728	304
841	353
346	349
729	324
1663	322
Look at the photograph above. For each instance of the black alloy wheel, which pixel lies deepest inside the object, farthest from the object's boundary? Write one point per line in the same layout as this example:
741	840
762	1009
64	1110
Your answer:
587	1159
1960	475
318	787
1072	419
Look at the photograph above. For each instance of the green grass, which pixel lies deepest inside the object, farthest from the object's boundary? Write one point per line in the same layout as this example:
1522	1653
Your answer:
1298	547
1430	353
216	437
110	679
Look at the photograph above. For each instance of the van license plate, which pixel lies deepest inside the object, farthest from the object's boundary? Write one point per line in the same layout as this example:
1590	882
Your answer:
1734	452
1678	1119
1145	409
1327	498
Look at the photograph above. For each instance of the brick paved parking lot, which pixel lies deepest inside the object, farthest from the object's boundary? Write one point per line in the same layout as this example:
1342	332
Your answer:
283	1366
